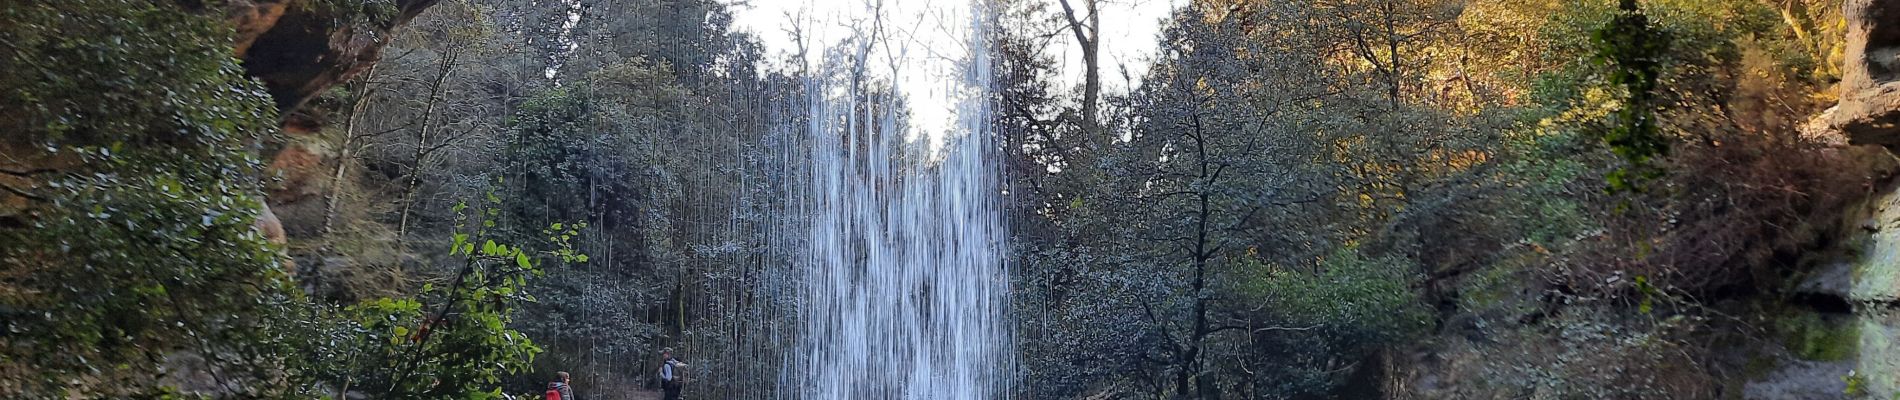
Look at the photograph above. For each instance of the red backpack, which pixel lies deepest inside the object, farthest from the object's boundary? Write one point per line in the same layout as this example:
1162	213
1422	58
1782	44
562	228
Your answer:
554	394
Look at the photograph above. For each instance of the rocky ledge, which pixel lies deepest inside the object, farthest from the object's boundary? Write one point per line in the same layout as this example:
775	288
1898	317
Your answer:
298	48
1869	112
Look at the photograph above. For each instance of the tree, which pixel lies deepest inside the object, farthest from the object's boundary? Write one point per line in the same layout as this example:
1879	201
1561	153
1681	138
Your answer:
456	38
461	346
1634	50
130	194
1087	29
1224	163
1391	37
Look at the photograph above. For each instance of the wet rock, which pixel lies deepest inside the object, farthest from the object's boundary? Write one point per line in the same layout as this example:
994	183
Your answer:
1834	280
1878	367
1801	380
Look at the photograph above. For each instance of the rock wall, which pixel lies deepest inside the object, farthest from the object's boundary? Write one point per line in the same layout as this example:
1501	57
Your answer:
1841	334
1870	84
299	48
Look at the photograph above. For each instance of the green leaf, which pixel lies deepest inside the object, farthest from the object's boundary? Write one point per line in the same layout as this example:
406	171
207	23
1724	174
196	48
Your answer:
458	240
521	260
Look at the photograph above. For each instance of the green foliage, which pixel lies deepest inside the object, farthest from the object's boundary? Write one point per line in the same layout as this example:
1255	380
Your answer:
1817	337
1344	311
133	123
1647	293
454	341
1633	50
1588	353
1542	166
139	246
1319	201
1367	300
1856	384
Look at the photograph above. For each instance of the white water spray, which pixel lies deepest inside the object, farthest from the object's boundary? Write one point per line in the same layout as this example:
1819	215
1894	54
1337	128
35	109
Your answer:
904	286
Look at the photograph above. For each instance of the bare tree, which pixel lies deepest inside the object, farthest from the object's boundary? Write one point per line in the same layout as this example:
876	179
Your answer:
1381	33
1087	29
459	36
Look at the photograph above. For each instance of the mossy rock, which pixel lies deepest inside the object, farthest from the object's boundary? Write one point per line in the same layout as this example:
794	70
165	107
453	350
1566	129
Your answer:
1876	273
1818	337
1879	360
1760	365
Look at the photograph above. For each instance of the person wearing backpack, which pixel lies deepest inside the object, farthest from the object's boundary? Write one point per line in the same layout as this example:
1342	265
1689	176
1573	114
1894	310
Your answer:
559	389
670	380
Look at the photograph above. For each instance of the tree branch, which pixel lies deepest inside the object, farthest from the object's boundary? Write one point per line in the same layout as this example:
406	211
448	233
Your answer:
22	193
1075	24
27	173
1252	330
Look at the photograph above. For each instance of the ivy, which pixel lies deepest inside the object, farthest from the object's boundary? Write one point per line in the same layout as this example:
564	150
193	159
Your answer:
1633	49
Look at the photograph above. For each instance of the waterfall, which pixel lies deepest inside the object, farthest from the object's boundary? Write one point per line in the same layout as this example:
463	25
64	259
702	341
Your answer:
902	281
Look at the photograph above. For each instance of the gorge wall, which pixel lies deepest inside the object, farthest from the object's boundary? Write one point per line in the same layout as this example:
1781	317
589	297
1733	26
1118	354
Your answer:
299	48
1869	112
1839	333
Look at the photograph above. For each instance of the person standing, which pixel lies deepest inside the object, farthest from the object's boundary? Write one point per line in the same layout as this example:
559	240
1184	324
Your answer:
560	388
670	379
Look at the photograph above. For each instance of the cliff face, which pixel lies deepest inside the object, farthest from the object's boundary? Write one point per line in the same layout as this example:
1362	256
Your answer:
1870	84
298	48
1840	336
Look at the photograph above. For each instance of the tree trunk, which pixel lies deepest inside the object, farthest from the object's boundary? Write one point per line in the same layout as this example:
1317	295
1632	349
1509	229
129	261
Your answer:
1087	30
343	152
1188	381
1395	72
422	145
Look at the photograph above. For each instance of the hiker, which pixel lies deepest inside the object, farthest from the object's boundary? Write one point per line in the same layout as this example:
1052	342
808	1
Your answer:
559	389
670	379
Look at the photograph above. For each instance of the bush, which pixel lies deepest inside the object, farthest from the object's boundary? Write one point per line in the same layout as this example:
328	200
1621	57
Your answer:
1315	322
129	128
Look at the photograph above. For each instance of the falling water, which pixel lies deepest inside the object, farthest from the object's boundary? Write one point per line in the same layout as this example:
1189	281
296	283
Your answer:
903	285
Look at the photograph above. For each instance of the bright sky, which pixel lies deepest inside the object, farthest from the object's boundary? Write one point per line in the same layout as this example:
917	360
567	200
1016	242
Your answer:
930	36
